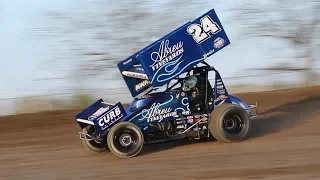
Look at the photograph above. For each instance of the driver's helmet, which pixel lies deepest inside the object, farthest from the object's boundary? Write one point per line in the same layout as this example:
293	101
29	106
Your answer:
189	83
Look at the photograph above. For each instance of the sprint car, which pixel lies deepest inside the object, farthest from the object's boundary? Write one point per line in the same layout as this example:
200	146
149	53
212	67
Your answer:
172	96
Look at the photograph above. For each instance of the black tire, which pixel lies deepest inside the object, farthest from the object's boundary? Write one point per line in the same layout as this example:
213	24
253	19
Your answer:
229	123
125	140
91	144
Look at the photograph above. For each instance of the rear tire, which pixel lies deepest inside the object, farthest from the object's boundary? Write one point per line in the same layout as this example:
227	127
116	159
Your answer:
229	123
91	144
125	140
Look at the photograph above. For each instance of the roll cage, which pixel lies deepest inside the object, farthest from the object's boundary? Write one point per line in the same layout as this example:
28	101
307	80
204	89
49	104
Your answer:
180	80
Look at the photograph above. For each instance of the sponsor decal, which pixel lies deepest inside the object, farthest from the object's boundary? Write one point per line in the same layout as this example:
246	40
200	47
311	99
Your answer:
208	53
184	126
139	69
190	120
186	112
201	32
180	122
92	117
101	111
221	91
98	113
135	75
218	43
221	98
166	53
144	96
127	61
110	117
220	87
141	85
156	113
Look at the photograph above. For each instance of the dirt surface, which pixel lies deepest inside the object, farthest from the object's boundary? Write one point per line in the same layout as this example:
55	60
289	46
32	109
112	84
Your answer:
284	143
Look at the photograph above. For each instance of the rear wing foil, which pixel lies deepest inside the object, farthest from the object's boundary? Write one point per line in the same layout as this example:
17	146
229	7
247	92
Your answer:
175	53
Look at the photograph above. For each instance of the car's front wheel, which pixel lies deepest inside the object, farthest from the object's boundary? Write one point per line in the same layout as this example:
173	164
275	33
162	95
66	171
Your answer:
229	123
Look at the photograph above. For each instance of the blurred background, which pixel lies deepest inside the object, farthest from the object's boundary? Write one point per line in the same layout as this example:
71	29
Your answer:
62	54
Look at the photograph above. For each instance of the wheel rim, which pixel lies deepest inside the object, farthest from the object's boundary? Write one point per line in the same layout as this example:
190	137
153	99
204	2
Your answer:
125	140
233	124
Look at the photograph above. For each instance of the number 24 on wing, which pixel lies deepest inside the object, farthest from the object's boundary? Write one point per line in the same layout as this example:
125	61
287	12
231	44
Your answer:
201	32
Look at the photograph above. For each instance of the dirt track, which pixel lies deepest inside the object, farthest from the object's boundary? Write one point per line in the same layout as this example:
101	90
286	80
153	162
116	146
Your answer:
284	144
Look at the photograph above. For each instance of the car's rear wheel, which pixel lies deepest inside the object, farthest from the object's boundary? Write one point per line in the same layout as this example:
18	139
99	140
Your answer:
229	123
125	140
91	144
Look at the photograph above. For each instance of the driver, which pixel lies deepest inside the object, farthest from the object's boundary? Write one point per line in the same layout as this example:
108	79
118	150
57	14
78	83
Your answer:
189	85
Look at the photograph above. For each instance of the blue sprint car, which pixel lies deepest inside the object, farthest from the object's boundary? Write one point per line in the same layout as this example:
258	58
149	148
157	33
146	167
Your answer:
172	96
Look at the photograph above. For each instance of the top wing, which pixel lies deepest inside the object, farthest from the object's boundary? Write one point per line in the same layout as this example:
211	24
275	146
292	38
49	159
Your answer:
174	54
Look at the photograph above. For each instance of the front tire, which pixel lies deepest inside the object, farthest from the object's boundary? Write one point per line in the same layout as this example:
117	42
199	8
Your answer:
125	140
229	123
